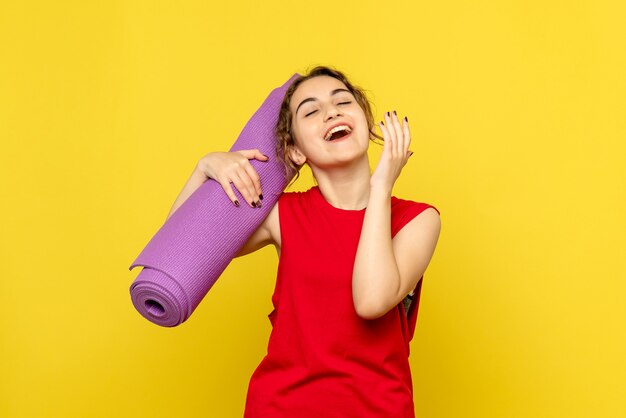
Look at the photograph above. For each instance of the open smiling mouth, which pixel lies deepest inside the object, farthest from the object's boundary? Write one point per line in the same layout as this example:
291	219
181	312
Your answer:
340	132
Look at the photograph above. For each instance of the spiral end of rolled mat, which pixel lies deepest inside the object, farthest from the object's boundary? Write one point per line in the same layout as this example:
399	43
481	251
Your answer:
159	298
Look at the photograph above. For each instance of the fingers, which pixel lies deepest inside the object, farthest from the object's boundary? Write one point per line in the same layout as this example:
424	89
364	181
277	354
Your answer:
253	153
386	140
391	133
244	177
402	140
229	191
245	185
260	156
255	180
407	135
397	135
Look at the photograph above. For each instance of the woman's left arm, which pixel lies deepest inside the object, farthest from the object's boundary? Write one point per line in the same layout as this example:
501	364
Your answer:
386	269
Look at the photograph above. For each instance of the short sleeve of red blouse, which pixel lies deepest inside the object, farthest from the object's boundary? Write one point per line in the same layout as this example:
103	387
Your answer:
403	211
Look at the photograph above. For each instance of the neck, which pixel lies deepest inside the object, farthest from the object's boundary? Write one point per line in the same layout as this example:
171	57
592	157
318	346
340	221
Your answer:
347	186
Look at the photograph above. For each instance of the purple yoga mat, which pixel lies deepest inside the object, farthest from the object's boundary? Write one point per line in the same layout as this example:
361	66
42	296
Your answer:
187	255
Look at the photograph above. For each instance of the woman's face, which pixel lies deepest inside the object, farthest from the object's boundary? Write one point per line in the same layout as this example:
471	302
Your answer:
318	105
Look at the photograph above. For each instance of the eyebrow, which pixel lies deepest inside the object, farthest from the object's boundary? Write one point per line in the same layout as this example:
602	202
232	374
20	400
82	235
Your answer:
311	99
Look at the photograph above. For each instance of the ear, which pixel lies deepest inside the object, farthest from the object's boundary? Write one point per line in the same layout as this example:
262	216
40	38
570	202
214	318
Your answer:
295	155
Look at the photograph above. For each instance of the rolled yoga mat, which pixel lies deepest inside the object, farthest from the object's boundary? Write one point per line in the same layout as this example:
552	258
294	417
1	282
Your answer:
187	255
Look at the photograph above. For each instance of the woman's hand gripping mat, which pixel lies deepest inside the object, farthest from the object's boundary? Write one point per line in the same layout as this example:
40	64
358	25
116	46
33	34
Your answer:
187	255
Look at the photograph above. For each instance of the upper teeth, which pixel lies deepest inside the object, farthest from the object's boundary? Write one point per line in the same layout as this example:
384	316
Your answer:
337	129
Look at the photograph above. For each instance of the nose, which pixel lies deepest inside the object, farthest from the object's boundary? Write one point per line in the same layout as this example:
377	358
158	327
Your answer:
332	111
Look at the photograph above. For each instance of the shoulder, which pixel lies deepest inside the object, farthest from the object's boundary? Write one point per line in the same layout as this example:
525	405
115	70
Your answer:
272	222
296	195
294	201
406	207
404	211
401	204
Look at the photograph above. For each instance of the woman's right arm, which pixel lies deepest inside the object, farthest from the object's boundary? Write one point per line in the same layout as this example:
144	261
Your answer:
195	180
226	168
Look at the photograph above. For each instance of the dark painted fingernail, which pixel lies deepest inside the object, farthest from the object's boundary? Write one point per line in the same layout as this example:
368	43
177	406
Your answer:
253	205
258	204
236	202
382	122
261	196
406	119
388	114
394	112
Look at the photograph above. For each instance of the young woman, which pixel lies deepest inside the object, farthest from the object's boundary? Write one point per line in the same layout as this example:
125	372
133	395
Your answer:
351	257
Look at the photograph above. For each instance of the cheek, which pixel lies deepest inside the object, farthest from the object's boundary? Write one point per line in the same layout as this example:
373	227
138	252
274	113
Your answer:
301	136
363	125
295	132
360	118
304	132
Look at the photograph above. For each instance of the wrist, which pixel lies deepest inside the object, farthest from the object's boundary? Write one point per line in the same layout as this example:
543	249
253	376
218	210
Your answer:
379	190
200	172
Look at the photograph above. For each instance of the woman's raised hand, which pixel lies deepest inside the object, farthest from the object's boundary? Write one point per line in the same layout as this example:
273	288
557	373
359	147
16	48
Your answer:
234	167
397	139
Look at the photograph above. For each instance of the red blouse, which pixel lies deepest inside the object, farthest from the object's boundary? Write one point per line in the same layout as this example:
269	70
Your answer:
323	360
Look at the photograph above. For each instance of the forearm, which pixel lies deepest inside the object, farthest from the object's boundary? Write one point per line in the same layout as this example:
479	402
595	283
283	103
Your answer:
375	278
195	180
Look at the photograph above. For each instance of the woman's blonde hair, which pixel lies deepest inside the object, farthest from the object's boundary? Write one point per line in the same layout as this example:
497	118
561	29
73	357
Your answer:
283	126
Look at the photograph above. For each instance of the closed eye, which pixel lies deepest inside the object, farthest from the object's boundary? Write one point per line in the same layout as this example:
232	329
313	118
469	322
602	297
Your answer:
310	113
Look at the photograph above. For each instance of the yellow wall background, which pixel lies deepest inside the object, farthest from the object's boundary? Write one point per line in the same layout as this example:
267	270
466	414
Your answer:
518	121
